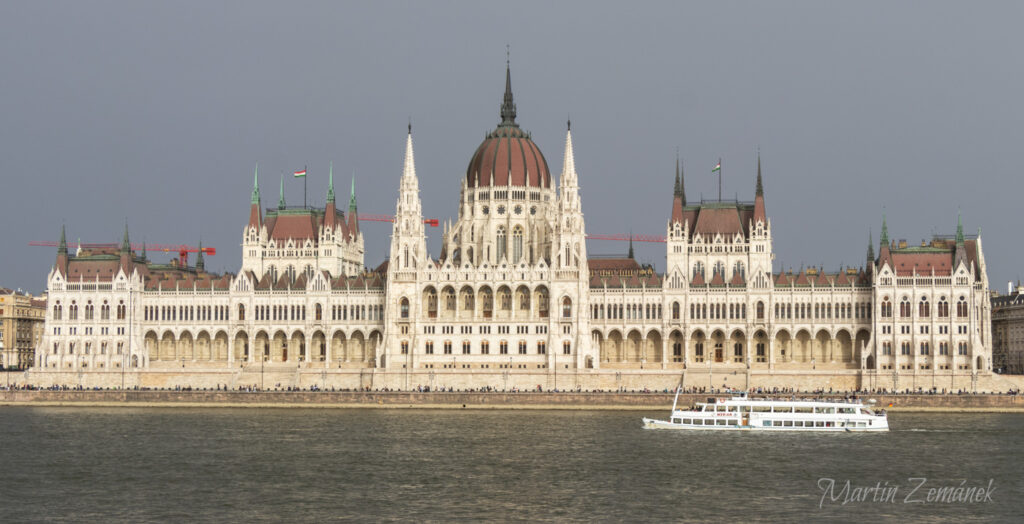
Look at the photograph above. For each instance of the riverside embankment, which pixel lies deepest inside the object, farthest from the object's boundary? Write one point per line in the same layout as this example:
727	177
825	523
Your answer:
459	400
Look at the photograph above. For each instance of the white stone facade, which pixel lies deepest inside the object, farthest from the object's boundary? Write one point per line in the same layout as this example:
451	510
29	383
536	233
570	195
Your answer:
514	291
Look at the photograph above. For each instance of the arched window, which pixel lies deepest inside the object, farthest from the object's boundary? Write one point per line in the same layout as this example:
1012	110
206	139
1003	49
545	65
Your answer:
319	312
924	310
449	299
502	243
88	310
760	310
241	312
291	273
58	311
566	348
961	308
698	269
404	306
943	308
517	244
405	257
432	304
886	308
905	308
675	311
566	307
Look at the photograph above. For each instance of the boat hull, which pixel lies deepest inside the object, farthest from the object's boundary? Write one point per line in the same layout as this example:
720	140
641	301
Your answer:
649	423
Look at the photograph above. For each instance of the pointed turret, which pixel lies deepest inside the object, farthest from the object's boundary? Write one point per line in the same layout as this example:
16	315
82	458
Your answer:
255	214
884	239
630	244
409	168
569	178
126	245
330	183
330	210
62	252
884	248
353	215
759	213
280	202
142	254
682	184
960	253
871	250
508	108
200	263
126	250
408	239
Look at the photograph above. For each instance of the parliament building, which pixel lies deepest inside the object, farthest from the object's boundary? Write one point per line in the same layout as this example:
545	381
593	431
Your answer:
513	300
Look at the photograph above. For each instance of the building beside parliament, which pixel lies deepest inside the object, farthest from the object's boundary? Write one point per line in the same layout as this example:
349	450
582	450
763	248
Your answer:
512	299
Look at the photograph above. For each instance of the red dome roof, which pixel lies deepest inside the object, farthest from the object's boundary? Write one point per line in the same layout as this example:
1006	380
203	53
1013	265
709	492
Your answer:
508	152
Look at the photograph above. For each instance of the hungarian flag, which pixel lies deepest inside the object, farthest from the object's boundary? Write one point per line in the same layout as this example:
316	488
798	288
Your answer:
299	174
718	167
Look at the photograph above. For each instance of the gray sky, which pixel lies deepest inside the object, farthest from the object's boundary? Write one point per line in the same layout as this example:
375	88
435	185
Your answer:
158	112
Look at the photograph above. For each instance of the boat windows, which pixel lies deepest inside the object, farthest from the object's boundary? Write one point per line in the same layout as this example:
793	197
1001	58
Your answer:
825	410
777	423
803	409
819	424
762	409
787	423
799	423
720	422
709	422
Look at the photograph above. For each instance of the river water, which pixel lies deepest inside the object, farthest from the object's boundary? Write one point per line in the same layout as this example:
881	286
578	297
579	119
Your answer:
299	465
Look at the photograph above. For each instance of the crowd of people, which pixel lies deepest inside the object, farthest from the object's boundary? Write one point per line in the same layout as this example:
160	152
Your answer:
420	388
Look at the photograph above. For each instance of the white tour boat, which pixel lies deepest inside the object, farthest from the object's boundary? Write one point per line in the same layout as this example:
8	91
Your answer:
743	413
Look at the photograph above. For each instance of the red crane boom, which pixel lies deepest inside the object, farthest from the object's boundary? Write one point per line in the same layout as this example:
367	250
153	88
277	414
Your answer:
181	249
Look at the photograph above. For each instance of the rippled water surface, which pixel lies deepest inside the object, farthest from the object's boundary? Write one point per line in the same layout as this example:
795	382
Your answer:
127	464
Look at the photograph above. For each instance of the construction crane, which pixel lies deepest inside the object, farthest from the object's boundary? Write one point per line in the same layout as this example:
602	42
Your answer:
624	238
181	249
432	222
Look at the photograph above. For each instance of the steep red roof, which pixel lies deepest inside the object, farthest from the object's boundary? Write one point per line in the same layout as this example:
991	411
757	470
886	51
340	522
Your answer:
737	280
298	227
711	221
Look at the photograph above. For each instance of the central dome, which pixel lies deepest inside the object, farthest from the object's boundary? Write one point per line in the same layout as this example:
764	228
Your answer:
508	156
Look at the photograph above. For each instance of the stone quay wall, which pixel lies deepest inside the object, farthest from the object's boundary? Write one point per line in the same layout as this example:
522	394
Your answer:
458	400
285	377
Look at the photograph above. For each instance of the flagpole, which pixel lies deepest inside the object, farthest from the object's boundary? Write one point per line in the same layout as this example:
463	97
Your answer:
719	179
305	171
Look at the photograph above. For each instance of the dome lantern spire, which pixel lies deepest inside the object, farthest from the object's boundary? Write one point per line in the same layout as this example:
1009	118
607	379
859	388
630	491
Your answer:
508	107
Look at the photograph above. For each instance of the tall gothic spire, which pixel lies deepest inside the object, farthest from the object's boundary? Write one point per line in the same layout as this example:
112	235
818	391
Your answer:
884	239
256	185
352	198
760	188
871	249
508	108
630	244
682	183
409	169
959	231
330	184
280	202
126	246
62	247
569	161
200	263
675	190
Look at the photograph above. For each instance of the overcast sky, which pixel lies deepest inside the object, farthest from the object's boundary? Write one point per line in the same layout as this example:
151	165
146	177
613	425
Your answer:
158	112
